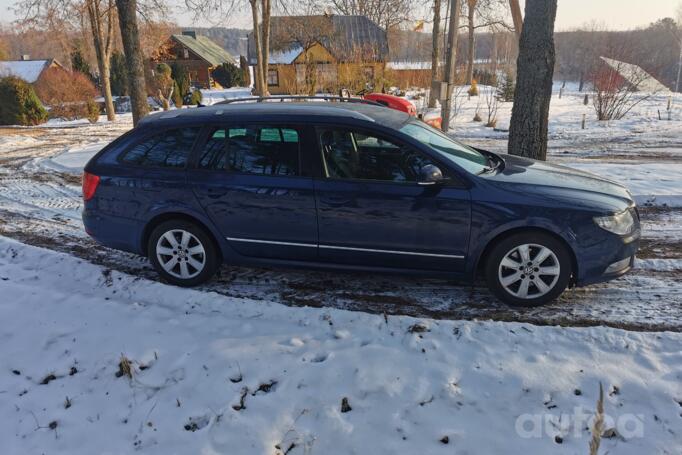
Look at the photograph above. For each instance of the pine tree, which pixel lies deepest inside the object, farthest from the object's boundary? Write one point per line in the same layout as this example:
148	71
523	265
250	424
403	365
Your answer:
119	77
505	91
78	63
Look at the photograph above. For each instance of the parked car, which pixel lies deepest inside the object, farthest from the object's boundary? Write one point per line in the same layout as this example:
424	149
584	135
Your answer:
430	116
351	186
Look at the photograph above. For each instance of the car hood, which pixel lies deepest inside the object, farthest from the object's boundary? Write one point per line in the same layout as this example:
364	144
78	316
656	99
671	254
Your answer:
525	171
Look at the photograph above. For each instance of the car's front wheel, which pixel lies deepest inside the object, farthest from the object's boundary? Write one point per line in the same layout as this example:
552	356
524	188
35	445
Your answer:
528	269
182	253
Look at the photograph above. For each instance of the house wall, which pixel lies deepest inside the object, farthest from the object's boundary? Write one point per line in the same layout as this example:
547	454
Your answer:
330	76
198	69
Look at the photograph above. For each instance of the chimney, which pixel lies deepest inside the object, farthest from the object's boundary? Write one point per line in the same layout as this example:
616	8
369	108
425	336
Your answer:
25	57
191	33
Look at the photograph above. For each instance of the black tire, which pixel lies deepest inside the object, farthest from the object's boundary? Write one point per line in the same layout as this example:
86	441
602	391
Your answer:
511	248
209	258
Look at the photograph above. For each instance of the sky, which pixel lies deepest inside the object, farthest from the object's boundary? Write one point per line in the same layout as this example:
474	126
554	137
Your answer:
615	14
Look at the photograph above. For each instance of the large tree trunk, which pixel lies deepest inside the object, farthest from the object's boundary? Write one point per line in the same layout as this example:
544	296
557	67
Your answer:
534	71
259	82
127	21
102	50
435	52
266	44
472	41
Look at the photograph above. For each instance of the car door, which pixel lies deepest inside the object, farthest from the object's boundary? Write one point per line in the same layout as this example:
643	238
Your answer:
248	179
372	210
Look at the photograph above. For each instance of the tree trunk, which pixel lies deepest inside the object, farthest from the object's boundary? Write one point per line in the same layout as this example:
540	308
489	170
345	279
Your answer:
451	64
472	41
102	53
127	21
266	44
516	17
258	70
493	52
435	52
534	71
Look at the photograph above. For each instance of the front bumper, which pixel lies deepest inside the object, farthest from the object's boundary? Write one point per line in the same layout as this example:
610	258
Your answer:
613	258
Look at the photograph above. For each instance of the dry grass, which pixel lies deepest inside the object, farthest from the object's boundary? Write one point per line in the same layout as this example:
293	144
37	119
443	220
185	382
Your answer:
125	368
598	424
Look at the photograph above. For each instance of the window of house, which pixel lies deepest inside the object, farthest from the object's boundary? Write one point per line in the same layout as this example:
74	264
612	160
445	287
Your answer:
369	73
168	149
354	155
252	150
273	77
185	52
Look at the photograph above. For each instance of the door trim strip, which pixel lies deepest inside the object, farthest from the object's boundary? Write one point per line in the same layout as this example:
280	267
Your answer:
272	242
409	253
345	248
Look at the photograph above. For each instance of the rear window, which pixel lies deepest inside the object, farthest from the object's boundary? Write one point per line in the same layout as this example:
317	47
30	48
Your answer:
169	149
252	150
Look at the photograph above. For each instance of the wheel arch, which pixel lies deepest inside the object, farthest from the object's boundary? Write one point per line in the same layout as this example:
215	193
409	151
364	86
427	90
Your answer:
481	259
168	216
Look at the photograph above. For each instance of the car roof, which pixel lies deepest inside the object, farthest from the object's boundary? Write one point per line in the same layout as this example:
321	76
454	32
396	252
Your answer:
294	111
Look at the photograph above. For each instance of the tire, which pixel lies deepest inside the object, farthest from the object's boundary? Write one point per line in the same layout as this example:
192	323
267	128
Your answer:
199	253
519	282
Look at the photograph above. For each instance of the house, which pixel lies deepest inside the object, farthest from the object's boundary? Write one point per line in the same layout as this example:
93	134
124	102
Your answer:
638	79
312	54
197	54
26	69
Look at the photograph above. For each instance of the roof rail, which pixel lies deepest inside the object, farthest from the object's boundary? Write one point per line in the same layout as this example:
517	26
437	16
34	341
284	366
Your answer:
282	98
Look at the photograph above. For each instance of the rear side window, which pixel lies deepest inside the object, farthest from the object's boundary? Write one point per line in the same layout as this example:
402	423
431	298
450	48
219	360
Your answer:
252	150
169	149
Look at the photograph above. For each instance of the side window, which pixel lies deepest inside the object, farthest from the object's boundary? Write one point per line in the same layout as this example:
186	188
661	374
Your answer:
353	155
169	149
252	150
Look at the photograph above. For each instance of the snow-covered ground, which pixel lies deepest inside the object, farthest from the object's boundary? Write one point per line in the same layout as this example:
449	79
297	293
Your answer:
212	374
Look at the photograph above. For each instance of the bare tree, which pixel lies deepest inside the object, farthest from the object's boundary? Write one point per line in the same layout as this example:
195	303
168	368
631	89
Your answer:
102	16
491	104
386	13
259	75
127	19
435	52
517	17
481	14
56	14
615	96
679	40
265	43
534	70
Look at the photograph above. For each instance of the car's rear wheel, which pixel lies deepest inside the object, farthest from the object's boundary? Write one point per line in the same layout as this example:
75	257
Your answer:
182	253
528	269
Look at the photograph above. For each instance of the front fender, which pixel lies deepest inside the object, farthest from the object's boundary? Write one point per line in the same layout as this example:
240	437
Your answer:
479	243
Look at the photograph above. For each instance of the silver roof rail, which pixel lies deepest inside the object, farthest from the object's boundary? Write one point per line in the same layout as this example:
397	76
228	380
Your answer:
282	98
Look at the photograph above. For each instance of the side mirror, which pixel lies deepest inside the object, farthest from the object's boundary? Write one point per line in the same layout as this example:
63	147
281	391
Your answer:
430	175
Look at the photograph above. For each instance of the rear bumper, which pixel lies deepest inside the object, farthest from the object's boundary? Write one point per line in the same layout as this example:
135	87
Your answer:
615	258
113	232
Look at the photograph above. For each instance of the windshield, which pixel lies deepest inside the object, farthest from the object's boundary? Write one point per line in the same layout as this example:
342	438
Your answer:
465	157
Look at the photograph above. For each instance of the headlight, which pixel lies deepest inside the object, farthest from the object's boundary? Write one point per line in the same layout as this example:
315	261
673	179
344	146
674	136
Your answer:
620	223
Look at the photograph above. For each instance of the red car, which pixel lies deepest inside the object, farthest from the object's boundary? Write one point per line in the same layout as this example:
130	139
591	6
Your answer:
403	105
394	102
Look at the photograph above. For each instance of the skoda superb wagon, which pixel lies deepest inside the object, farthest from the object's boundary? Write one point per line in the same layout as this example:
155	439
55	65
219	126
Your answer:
351	186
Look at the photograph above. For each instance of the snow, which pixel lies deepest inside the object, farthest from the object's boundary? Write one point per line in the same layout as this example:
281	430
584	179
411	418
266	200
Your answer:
73	159
490	387
285	57
409	65
650	183
28	70
210	97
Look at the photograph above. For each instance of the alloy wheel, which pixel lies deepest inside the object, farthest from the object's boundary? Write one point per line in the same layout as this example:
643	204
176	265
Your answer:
529	271
181	254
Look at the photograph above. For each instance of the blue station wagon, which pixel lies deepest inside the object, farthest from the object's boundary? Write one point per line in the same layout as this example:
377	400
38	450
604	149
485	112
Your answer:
351	186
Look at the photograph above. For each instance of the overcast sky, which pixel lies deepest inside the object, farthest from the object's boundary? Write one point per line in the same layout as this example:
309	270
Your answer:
615	14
